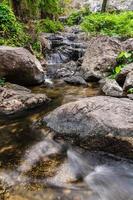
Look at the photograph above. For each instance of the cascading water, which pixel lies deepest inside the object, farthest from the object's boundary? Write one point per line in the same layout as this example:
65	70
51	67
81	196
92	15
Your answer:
80	171
107	182
66	47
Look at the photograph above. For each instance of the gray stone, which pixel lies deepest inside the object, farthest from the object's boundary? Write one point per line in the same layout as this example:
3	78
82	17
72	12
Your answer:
18	65
98	116
128	44
128	82
75	80
130	96
100	57
62	70
16	99
111	88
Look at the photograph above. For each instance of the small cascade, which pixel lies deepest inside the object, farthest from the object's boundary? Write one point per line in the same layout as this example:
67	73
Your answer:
62	59
64	49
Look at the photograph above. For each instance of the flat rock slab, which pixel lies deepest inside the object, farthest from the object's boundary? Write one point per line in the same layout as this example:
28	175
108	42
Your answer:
93	116
15	101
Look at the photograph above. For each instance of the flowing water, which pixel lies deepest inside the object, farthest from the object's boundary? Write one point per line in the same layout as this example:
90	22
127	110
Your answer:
34	167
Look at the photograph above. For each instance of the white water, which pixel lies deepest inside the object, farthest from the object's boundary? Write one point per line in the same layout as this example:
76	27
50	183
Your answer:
111	181
107	182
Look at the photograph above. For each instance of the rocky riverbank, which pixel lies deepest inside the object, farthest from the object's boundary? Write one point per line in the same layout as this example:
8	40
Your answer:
87	115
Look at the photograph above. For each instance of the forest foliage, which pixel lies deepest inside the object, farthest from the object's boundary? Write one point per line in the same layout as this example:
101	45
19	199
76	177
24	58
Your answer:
112	24
20	18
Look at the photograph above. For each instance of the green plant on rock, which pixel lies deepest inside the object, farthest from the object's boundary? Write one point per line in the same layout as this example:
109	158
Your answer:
36	46
122	59
130	91
2	82
125	57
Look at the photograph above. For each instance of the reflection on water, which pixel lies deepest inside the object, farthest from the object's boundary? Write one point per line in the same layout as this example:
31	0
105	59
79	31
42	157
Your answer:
34	167
17	134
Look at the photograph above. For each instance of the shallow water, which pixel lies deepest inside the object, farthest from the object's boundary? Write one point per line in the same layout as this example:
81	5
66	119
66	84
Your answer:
34	167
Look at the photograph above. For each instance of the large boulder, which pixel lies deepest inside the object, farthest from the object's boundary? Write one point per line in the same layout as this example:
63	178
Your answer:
18	65
93	116
16	99
100	57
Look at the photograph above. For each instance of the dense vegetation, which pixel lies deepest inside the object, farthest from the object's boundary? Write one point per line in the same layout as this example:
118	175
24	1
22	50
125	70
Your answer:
104	23
11	31
22	21
113	24
77	16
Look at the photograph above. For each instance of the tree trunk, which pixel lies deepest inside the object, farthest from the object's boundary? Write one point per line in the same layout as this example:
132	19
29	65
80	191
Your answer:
104	5
16	4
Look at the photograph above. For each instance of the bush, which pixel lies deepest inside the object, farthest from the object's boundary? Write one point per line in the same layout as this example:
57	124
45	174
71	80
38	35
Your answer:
11	31
112	24
77	16
48	26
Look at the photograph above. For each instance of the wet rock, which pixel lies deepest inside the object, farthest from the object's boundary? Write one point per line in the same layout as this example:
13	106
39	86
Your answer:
100	57
93	116
17	99
121	77
128	82
66	46
18	65
111	88
61	71
75	80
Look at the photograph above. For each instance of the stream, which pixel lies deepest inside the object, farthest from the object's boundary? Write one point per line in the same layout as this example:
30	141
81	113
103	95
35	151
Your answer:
33	166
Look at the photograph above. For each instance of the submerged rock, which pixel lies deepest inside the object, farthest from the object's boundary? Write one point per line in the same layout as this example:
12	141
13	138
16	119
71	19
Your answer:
17	99
18	65
111	88
93	116
75	80
100	57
